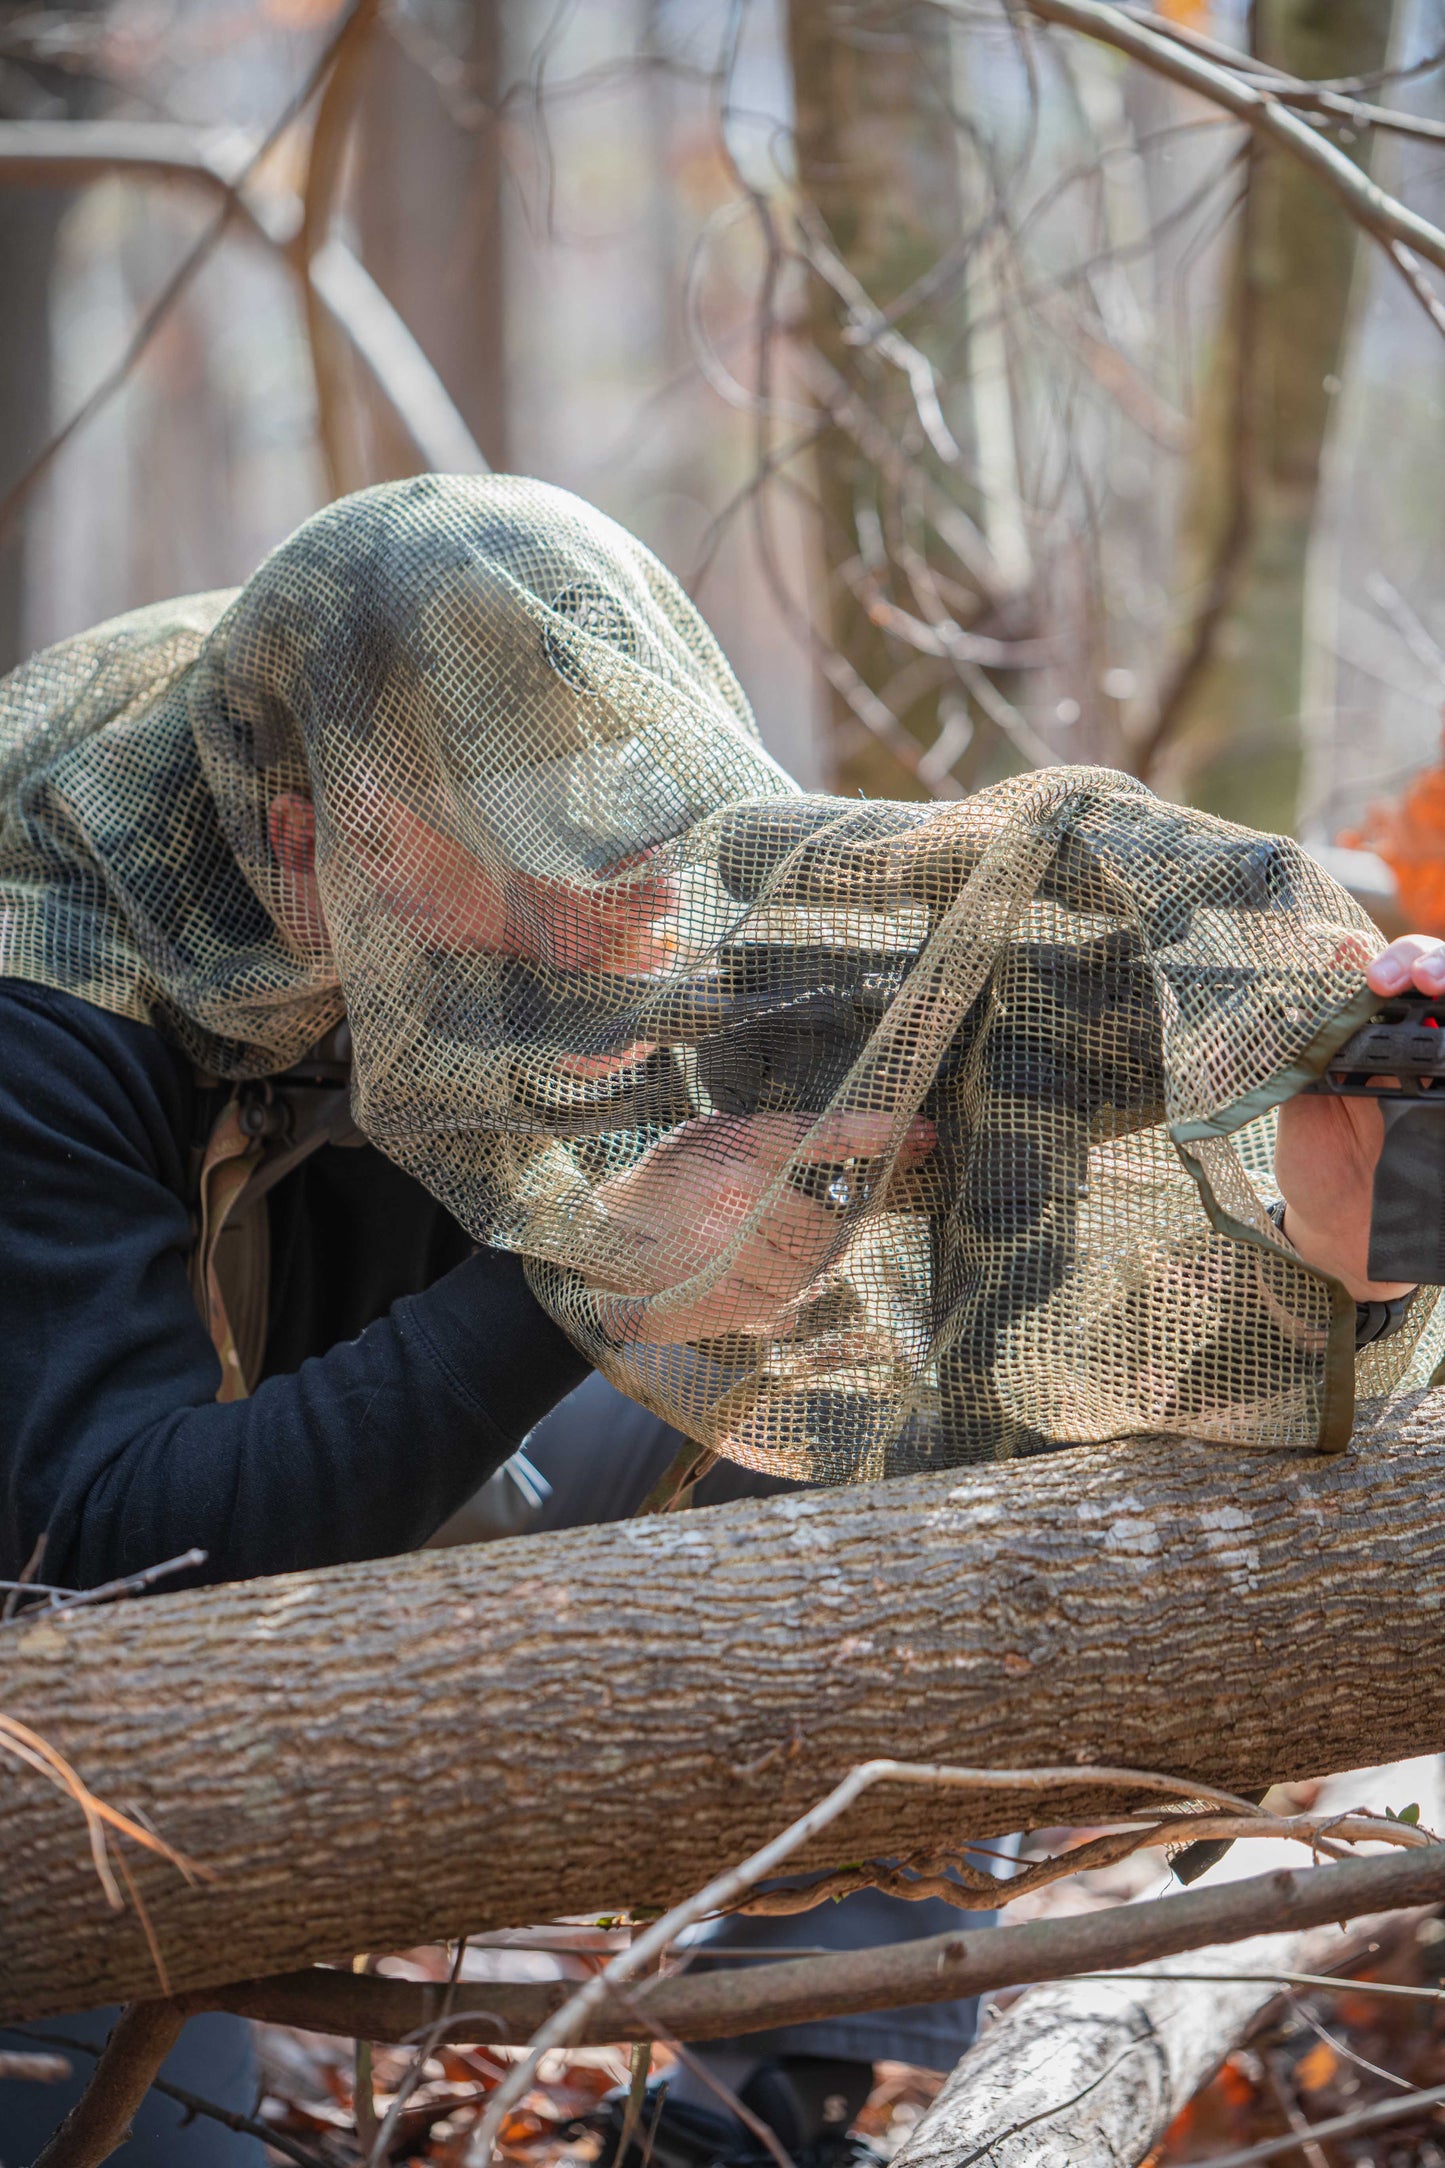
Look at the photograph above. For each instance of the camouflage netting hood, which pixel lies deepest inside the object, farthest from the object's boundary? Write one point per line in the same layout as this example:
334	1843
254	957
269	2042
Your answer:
584	929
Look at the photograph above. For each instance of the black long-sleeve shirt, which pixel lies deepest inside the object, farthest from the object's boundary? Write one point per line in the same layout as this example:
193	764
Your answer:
400	1368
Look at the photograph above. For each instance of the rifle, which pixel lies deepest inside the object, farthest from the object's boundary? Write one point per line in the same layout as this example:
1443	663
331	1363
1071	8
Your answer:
1062	1044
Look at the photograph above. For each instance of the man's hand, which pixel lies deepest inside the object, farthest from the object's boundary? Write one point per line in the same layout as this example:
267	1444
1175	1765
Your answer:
686	1203
1327	1150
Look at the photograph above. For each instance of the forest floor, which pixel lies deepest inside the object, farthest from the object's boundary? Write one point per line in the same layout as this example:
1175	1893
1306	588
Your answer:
1320	2055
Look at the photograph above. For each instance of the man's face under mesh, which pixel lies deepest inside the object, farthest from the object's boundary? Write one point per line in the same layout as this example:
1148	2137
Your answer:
458	901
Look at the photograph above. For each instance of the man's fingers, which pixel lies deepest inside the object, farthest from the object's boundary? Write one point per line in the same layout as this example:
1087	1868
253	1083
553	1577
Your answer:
844	1135
1416	959
750	1151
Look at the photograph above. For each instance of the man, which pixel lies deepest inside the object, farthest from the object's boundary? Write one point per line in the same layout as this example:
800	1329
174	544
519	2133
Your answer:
227	828
199	879
596	1458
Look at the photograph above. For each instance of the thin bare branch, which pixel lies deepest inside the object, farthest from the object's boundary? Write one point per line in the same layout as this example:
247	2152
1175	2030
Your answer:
37	2069
724	1888
180	280
355	305
937	1968
73	153
196	2103
1336	101
1378	2116
1380	213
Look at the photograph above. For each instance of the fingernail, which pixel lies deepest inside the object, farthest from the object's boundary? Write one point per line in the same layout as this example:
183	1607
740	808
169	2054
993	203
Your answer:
1388	977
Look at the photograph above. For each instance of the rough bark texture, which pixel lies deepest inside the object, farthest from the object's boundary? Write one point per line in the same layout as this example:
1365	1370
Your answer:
1235	743
389	1753
1091	2073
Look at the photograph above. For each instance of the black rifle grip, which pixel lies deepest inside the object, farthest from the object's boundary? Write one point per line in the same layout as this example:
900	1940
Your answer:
1407	1212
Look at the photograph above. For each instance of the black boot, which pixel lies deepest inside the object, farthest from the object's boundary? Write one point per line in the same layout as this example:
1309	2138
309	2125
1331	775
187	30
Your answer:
807	2101
810	2103
673	2133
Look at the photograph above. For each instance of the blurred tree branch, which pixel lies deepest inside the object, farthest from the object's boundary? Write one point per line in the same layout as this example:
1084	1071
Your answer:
76	153
325	153
879	221
1256	104
185	271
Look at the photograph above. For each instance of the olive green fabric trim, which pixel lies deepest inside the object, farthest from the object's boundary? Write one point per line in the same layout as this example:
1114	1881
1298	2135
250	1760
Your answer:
1337	1416
1311	1062
1337	1419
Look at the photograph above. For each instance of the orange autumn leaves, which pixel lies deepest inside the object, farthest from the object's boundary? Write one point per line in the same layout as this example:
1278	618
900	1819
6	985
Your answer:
1409	835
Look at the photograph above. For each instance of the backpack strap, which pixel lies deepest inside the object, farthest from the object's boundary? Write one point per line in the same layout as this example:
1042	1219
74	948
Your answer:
251	1136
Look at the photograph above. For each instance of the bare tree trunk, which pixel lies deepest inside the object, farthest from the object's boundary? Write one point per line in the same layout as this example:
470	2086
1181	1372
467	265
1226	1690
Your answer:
878	168
1229	731
429	206
28	233
27	248
1091	2073
391	1753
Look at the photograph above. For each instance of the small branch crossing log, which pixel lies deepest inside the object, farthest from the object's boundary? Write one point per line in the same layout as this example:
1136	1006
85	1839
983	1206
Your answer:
397	1752
100	2121
938	1968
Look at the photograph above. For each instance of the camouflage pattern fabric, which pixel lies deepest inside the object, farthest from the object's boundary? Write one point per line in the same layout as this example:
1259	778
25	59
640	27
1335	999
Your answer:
595	947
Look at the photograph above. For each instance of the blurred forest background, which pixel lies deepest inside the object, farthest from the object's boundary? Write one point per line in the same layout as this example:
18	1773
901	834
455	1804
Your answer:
996	400
1000	402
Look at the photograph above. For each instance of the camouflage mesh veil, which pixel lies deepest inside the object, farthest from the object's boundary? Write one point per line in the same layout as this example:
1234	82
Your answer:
851	1137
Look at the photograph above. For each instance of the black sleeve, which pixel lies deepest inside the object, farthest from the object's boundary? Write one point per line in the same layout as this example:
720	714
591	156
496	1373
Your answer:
110	1436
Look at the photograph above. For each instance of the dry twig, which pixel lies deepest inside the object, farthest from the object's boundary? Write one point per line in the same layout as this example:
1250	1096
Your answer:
937	1968
196	2104
1378	2116
564	2028
34	2069
1254	101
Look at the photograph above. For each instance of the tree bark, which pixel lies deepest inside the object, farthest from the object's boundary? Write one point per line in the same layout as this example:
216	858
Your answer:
396	1752
1091	2073
28	233
1232	739
878	161
429	209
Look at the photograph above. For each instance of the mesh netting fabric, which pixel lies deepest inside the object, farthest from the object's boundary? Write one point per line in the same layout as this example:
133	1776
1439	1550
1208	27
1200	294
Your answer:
850	1137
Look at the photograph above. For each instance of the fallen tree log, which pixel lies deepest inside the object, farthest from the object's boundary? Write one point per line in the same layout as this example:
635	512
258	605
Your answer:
1090	2074
398	1752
